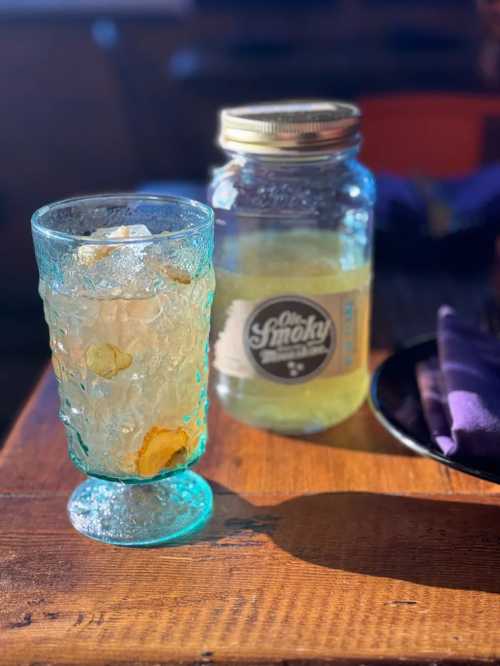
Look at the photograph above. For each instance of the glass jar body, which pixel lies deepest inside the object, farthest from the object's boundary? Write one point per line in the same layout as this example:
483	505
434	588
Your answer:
293	266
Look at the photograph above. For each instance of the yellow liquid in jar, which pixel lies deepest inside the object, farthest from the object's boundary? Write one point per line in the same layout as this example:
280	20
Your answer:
307	263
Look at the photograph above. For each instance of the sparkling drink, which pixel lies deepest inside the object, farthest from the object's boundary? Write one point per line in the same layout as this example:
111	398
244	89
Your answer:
127	293
132	376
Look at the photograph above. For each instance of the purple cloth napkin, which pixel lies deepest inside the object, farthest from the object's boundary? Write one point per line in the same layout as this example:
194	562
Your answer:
460	390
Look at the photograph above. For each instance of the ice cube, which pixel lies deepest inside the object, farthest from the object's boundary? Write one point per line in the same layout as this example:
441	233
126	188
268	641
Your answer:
129	231
112	270
88	255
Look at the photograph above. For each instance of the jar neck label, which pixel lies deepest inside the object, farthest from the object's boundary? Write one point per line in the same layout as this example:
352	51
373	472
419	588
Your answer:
292	339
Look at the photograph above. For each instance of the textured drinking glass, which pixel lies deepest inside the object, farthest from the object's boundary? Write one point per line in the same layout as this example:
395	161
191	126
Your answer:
127	284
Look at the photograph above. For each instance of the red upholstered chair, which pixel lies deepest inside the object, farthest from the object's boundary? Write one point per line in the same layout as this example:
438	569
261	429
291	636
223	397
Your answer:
433	135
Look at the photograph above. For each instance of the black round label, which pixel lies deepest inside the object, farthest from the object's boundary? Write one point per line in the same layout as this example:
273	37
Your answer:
289	339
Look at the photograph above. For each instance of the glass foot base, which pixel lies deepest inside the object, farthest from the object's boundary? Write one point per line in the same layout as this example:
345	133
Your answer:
141	515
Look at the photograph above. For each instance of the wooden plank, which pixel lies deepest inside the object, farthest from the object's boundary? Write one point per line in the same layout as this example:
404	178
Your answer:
339	547
356	455
309	577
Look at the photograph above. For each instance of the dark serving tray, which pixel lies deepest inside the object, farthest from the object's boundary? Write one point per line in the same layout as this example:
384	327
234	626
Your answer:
395	400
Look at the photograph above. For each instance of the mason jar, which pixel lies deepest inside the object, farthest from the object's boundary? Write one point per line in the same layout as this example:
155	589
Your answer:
294	213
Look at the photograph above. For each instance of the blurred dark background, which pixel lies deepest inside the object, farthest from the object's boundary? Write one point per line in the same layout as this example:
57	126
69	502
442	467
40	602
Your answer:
115	94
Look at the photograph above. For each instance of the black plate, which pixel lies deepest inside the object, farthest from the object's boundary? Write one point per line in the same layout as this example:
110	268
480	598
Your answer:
395	400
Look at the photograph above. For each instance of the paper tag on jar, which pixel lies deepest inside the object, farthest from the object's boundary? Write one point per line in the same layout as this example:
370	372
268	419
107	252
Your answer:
292	339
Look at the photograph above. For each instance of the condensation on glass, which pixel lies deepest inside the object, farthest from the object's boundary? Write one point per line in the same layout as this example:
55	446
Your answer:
294	212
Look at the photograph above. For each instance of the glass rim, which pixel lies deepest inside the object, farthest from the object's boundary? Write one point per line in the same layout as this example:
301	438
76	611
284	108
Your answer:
205	223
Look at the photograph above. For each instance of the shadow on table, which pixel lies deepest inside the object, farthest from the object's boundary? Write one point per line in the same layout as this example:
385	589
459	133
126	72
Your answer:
430	542
360	432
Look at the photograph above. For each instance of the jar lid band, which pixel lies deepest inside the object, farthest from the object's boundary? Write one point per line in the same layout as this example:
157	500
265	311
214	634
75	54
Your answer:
293	127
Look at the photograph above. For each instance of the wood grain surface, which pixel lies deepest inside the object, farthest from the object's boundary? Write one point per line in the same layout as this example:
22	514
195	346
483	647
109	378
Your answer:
339	548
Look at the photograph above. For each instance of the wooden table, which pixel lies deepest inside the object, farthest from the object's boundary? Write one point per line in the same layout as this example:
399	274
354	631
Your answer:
340	547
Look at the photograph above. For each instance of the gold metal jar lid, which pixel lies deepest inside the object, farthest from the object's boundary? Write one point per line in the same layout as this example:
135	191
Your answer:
291	127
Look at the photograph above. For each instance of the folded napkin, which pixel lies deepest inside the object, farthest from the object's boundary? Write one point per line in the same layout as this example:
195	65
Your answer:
460	390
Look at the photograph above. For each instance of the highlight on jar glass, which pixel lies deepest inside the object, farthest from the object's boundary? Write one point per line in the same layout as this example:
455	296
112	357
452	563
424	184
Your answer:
294	211
127	284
